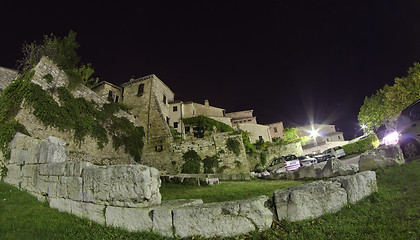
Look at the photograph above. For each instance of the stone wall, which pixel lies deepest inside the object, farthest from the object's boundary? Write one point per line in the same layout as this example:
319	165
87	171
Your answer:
6	77
127	196
89	147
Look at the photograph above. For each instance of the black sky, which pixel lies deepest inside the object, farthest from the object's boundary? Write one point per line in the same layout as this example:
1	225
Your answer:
287	60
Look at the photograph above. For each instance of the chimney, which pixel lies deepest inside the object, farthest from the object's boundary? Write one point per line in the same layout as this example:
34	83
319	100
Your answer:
206	103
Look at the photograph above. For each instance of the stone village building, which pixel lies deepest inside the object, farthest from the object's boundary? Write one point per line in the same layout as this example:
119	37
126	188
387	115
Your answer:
327	137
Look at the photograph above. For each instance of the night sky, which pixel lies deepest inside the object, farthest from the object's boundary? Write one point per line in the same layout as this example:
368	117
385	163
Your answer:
290	61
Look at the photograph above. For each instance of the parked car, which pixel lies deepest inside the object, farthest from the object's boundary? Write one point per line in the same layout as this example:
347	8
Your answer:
279	162
322	157
408	127
291	163
307	161
337	152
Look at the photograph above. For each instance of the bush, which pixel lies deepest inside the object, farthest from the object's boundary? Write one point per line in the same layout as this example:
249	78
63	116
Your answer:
207	124
192	163
361	145
233	145
210	163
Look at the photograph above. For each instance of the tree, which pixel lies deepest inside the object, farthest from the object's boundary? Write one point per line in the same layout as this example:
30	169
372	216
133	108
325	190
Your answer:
62	51
384	107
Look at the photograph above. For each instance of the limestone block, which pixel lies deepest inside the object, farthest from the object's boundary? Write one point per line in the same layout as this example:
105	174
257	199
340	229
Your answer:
75	188
131	219
74	169
56	141
30	170
52	169
349	169
50	152
52	186
381	157
307	172
162	214
14	175
62	191
359	185
331	167
90	211
223	219
63	205
122	185
309	200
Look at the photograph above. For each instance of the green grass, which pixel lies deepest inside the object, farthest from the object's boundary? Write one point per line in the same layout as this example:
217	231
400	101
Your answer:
225	191
392	213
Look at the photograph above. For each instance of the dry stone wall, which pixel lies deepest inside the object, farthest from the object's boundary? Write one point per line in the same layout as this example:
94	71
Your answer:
127	196
6	77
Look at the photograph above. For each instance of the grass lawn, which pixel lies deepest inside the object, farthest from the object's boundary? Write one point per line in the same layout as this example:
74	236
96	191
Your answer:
225	191
392	213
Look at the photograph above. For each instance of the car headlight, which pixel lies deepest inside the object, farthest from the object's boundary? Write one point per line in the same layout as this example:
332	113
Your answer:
391	138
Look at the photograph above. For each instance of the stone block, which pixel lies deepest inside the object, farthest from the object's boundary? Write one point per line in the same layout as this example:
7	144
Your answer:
349	169
75	188
74	169
310	200
63	205
14	175
122	185
381	157
30	170
223	219
90	211
52	153
131	219
52	169
307	172
358	186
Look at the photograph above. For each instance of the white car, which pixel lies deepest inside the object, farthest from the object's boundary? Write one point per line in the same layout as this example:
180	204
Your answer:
337	152
307	161
291	163
408	127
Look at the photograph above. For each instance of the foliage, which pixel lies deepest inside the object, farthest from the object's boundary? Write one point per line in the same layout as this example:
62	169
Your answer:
233	145
192	163
3	170
263	158
8	130
61	51
210	162
290	135
222	169
207	123
48	77
76	114
361	145
249	148
175	133
384	107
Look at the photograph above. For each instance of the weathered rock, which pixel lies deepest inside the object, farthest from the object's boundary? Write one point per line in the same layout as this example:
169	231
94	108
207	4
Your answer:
381	157
309	200
348	169
358	186
223	219
331	168
307	172
50	152
122	185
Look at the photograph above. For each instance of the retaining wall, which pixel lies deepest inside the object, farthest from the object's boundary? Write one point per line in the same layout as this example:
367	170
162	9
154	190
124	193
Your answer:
127	196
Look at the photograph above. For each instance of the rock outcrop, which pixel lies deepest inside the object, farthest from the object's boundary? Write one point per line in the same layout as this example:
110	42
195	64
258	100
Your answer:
381	157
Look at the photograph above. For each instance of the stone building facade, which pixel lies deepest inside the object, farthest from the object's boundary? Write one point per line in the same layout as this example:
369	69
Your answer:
242	117
108	91
327	137
276	130
180	110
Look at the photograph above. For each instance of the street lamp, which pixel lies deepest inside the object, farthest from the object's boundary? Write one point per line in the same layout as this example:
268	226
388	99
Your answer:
313	134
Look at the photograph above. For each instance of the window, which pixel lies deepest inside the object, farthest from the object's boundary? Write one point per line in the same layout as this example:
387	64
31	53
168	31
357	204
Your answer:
275	129
167	120
164	99
140	90
175	108
159	148
112	97
175	124
338	137
260	137
187	129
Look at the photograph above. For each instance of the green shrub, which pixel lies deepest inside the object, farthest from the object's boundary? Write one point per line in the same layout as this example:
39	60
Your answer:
263	158
209	163
361	145
192	163
249	148
207	124
233	145
48	77
7	132
175	133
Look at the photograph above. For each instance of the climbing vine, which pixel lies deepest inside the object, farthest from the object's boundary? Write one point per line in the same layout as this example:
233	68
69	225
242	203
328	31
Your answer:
233	145
192	163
